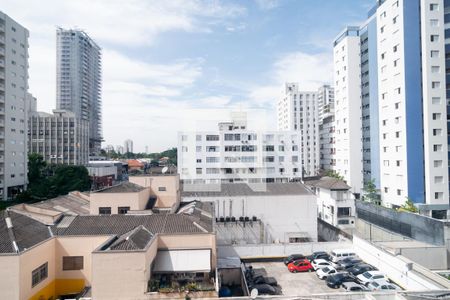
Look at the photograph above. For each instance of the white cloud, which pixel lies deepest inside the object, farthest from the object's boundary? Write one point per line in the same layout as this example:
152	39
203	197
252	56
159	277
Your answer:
309	70
267	4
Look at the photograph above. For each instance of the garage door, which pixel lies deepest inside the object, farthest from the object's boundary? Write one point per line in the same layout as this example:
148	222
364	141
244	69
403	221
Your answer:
183	261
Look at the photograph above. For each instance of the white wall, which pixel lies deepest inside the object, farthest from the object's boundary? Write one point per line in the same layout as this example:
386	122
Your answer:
280	214
394	267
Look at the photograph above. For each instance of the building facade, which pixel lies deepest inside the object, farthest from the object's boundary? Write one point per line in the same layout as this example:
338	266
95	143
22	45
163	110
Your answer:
234	153
299	111
398	58
61	138
13	115
78	87
326	126
347	159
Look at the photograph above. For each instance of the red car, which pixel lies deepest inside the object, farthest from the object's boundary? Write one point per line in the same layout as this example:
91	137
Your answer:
302	265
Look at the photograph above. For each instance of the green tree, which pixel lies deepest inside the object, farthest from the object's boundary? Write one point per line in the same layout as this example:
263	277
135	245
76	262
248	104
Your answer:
408	206
371	193
36	166
334	174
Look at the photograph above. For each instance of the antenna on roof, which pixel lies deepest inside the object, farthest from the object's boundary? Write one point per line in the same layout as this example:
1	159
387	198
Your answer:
164	170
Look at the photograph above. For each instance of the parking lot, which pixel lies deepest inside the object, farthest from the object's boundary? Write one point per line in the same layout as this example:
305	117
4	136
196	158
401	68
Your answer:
294	284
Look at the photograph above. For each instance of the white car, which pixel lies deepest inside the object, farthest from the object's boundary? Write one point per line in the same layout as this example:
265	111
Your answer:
323	273
354	287
382	285
320	264
369	276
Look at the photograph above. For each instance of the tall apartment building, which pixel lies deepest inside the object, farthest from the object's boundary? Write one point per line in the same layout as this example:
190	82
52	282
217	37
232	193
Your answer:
234	153
325	99
61	137
128	146
299	111
78	87
447	67
13	95
395	65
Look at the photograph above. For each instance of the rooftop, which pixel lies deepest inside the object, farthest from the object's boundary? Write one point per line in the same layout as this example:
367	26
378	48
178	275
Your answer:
136	239
124	187
329	183
70	204
243	189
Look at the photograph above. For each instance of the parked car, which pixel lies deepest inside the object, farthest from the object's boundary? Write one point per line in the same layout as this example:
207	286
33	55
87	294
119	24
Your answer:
340	254
293	257
336	280
302	265
369	276
265	280
382	285
317	255
354	287
359	269
348	263
325	272
320	263
266	289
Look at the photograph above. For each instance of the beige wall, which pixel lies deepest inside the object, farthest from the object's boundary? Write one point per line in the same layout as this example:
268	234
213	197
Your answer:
136	201
32	259
165	199
76	246
121	275
9	274
191	241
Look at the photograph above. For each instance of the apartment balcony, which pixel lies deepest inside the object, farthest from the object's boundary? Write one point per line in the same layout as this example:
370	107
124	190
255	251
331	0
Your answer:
2	40
2	28
2	171
2	62
2	123
2	86
2	51
2	99
2	74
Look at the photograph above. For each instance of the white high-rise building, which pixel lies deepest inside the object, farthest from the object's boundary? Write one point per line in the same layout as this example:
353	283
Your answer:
13	115
78	87
299	111
347	160
395	65
233	153
325	98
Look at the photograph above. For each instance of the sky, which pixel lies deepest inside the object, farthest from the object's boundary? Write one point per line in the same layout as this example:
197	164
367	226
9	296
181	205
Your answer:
167	63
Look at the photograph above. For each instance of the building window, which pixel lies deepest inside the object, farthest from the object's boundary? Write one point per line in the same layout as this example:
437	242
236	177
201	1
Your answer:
399	192
104	210
435	84
212	137
434	38
437	148
39	274
162	189
343	211
122	210
434	53
434	22
71	263
434	7
438	163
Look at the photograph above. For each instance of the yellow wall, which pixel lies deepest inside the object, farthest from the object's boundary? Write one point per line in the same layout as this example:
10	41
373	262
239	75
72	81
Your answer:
9	276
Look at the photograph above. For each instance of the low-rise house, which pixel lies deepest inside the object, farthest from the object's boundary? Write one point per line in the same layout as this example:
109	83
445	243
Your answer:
335	201
45	254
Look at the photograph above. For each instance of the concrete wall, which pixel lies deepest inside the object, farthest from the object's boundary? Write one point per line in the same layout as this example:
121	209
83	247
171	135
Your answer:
433	258
372	232
414	226
121	275
170	198
136	201
76	246
269	250
9	274
283	216
395	267
29	261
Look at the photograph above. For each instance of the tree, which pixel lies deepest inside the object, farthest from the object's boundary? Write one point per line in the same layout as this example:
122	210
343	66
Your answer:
371	193
334	174
36	165
408	206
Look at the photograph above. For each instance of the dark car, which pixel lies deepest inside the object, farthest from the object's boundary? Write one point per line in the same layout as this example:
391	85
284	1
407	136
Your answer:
293	257
266	289
317	255
348	263
265	280
359	269
335	281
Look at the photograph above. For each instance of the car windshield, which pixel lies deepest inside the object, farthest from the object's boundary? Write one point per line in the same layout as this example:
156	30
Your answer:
375	284
367	275
390	287
326	269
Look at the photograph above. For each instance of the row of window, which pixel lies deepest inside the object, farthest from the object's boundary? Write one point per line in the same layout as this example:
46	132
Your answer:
69	263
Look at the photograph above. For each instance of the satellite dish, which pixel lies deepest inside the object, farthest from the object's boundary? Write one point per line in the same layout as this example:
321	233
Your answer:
254	294
164	170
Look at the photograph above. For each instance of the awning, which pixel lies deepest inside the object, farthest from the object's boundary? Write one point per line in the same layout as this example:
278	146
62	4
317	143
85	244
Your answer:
183	261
